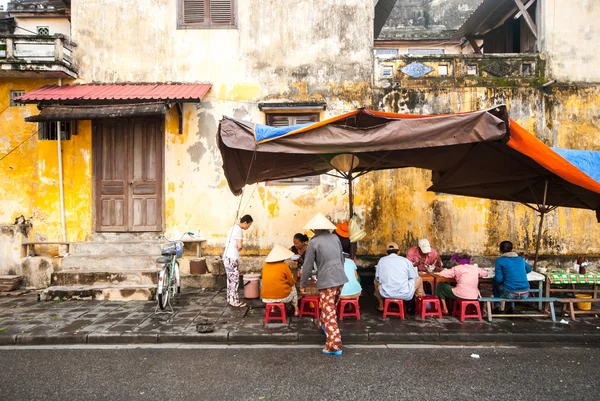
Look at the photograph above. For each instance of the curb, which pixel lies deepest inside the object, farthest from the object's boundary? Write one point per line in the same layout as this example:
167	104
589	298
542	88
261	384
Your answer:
237	337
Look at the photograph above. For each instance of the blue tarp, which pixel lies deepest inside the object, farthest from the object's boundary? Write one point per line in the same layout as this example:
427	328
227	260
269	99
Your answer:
587	161
264	132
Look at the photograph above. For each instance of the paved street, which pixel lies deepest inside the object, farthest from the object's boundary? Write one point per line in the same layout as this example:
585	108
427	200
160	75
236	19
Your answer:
24	320
300	374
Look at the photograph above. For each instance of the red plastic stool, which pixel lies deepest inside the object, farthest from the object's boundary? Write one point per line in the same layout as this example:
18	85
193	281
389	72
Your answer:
342	309
306	310
388	303
460	307
423	302
272	315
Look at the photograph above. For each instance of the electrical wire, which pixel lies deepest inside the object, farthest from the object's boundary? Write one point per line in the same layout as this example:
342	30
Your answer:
19	145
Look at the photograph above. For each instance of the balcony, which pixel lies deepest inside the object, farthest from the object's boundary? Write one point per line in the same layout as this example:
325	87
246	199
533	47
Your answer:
34	56
461	70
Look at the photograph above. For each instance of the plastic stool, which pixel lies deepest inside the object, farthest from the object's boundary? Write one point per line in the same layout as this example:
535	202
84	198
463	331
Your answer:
272	315
423	303
388	303
342	309
305	309
460	306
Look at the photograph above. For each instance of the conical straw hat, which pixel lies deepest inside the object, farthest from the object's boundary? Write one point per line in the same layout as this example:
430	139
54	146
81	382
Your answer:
279	253
319	222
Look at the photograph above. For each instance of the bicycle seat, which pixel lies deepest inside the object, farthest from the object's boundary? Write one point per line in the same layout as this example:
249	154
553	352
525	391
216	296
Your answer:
163	259
173	252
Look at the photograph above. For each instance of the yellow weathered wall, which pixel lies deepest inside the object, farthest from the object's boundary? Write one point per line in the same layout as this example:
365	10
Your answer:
314	50
395	204
307	51
29	175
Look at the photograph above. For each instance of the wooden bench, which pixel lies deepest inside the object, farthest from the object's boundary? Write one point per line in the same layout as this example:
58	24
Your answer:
572	311
489	300
30	246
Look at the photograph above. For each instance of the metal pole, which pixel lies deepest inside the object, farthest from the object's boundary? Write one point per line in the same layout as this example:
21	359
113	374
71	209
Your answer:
351	196
539	236
60	179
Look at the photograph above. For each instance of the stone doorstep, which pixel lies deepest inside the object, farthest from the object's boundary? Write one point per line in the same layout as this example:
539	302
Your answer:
96	277
109	262
115	248
100	292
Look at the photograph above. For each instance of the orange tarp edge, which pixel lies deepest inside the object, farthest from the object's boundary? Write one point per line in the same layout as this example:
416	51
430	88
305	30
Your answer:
524	142
342	116
310	127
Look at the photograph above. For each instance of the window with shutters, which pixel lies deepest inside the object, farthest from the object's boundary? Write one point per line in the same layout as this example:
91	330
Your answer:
47	131
206	13
283	120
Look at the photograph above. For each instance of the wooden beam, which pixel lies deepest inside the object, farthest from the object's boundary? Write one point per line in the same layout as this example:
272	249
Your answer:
474	45
528	20
180	113
491	13
526	7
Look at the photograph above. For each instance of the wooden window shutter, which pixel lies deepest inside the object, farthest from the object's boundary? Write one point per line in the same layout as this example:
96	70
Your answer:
221	12
279	121
194	11
306	118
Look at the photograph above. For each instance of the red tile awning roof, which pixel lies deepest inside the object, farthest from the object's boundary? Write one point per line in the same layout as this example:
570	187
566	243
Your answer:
113	93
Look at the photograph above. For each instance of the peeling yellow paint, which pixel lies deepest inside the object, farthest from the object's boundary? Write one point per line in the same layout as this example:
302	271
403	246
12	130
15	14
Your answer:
248	91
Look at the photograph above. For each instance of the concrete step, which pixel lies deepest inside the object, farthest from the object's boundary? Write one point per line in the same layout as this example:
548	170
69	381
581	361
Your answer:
100	292
121	248
97	277
109	262
124	237
203	281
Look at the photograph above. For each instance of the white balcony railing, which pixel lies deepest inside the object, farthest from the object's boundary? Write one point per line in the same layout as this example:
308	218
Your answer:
32	49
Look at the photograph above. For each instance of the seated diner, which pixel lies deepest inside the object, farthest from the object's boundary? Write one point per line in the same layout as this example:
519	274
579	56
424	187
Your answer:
352	289
396	278
278	284
467	284
424	255
510	280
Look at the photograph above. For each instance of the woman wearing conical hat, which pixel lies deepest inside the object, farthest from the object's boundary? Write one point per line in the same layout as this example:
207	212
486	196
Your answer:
325	250
278	284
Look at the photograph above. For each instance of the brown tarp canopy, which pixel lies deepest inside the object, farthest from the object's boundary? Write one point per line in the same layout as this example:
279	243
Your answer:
476	154
380	142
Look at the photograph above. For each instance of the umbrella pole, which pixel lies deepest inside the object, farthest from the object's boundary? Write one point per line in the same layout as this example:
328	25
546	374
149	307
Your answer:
351	196
539	236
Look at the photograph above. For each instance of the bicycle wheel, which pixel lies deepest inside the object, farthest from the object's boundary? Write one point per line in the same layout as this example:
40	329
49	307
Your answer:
163	287
177	283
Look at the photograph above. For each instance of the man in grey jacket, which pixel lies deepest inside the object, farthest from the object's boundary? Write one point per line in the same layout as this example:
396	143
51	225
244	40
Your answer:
325	250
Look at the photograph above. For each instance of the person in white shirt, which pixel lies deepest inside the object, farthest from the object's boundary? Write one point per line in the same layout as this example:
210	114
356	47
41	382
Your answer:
396	277
231	259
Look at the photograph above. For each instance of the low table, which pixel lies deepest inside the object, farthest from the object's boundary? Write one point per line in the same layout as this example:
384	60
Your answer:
575	280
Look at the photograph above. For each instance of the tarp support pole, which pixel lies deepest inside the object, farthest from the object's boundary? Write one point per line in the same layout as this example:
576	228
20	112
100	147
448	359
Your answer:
539	236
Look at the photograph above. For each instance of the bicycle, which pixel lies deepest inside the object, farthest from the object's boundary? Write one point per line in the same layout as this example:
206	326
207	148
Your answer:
168	277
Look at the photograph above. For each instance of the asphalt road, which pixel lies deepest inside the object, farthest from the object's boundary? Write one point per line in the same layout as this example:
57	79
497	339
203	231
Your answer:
300	374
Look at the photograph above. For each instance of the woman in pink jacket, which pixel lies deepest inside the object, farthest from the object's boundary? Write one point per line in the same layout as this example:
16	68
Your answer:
467	282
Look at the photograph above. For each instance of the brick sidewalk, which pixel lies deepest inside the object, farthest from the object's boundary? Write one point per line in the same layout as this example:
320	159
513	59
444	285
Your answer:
24	320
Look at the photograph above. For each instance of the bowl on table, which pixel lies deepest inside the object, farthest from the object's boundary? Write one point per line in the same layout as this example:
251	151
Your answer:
542	270
430	268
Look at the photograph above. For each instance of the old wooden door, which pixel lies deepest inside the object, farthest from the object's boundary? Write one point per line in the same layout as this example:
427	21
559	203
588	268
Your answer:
128	164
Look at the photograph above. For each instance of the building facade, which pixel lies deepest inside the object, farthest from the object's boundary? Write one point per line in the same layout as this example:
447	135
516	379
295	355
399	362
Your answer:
305	62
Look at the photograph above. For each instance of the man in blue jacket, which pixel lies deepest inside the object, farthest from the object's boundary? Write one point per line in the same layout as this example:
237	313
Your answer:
510	280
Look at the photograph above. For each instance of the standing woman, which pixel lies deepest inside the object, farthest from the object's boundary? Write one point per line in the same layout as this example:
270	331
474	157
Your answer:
231	259
325	250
